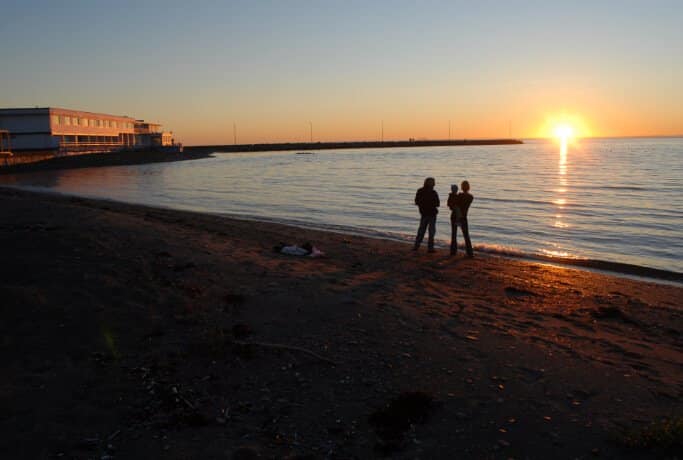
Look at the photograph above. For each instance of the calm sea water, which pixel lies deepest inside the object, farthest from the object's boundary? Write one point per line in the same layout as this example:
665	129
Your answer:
617	200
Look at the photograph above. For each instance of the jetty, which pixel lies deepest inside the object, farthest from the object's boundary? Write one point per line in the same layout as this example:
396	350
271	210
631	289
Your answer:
346	145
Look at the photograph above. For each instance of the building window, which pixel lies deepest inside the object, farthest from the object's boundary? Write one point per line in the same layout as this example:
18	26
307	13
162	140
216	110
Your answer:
67	121
84	122
113	123
55	119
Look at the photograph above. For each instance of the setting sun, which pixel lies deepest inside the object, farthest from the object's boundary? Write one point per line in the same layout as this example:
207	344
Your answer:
563	132
565	127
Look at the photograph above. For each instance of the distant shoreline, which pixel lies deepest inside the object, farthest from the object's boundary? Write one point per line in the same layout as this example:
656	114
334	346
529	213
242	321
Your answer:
306	146
94	160
125	158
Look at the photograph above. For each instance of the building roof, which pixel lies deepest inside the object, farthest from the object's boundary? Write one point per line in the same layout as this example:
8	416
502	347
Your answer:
46	110
24	110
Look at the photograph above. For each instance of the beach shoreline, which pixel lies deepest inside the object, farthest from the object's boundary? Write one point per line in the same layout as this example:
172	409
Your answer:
607	267
152	332
545	227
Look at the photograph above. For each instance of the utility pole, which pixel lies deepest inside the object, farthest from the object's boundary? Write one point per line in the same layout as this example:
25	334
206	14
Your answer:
510	128
311	126
234	132
449	130
382	132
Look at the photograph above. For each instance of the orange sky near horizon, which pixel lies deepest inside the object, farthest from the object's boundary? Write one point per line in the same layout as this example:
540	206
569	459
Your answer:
523	116
477	108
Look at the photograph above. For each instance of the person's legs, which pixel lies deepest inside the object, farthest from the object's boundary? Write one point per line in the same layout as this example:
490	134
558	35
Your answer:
454	236
420	232
466	235
432	232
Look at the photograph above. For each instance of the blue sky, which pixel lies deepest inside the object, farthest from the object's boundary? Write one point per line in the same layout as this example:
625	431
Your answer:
273	66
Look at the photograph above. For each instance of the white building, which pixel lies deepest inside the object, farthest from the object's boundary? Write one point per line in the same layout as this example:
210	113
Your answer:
151	135
72	131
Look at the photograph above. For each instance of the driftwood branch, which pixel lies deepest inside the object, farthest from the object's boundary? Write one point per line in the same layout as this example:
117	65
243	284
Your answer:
189	404
279	346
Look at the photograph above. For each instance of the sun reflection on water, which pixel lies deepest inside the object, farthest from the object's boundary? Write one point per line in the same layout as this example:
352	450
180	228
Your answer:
561	200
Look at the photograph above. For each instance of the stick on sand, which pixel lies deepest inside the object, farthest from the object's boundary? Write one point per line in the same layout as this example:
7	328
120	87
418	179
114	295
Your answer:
287	347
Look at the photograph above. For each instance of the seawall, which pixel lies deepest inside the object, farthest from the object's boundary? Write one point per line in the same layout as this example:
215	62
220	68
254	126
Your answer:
50	161
346	145
18	158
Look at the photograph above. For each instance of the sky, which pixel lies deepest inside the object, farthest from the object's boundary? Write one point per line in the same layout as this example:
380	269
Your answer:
275	69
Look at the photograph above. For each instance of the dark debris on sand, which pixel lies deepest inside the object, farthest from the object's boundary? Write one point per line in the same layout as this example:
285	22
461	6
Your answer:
392	420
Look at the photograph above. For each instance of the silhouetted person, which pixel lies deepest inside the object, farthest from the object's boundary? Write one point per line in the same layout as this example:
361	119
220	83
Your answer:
427	200
461	202
456	216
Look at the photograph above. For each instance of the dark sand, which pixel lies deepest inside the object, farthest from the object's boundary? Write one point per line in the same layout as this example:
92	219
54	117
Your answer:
123	331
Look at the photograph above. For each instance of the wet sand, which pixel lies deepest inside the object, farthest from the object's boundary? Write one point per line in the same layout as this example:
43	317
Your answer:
136	332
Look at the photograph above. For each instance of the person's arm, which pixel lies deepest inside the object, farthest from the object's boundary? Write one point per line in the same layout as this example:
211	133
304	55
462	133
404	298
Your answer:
438	203
417	198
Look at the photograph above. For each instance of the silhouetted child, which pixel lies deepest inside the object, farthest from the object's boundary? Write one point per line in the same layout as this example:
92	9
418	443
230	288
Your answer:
452	203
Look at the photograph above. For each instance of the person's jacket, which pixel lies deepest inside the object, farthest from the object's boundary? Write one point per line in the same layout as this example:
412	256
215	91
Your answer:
428	201
464	200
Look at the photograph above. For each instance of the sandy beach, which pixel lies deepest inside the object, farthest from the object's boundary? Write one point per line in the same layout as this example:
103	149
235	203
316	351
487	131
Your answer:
134	332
